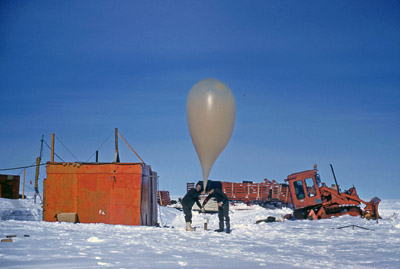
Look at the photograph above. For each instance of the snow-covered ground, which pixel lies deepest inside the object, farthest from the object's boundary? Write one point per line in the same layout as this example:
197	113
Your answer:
289	244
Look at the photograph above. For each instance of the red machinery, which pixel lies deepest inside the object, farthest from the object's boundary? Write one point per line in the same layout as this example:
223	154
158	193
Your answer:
309	198
267	192
163	198
259	193
9	186
314	200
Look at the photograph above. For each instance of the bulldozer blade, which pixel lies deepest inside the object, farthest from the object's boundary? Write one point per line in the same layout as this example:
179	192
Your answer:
371	209
375	202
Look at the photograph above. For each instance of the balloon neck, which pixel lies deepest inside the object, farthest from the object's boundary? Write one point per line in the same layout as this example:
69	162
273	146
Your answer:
205	184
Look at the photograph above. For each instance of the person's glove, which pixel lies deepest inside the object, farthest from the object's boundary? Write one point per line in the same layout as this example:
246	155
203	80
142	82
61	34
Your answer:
203	210
220	204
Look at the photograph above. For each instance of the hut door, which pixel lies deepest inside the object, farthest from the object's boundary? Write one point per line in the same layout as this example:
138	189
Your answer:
94	198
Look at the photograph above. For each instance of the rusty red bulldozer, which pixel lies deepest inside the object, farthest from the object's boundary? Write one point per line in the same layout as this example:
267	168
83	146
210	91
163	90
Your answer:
304	192
312	199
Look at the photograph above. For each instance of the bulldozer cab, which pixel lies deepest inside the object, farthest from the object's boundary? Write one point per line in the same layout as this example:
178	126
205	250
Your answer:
305	188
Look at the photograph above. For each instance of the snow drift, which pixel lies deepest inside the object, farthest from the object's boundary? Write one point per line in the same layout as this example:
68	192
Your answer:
289	244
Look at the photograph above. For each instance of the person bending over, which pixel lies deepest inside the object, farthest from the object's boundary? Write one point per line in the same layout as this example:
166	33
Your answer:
188	201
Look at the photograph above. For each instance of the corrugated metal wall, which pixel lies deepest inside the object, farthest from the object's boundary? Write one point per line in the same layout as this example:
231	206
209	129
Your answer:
149	197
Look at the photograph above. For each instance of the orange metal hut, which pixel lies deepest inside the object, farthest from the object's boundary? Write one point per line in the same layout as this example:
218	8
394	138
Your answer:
113	193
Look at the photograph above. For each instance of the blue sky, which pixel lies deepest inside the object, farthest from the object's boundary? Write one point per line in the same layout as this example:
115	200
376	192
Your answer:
314	82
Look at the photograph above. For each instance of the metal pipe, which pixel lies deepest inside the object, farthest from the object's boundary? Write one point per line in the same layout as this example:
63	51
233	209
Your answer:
116	157
23	186
37	177
333	172
52	148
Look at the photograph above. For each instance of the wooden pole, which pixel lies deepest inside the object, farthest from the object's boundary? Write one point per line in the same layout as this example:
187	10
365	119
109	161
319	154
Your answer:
23	186
116	158
159	195
37	177
52	147
37	173
131	148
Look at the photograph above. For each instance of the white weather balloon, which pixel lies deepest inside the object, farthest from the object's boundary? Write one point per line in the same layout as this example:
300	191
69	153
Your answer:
211	112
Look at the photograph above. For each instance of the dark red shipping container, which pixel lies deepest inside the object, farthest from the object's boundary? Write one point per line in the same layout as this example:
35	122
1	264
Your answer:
9	186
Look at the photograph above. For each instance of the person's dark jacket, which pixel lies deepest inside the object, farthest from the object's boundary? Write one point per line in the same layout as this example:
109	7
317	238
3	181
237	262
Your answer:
191	197
219	195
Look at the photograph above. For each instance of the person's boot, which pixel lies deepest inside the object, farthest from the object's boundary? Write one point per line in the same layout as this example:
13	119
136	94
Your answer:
221	227
188	227
228	227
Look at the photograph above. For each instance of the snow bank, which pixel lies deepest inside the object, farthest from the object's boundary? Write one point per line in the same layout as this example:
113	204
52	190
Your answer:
20	209
332	243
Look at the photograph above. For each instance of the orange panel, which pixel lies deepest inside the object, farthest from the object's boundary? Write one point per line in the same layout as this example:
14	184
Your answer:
59	195
125	199
93	198
98	192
